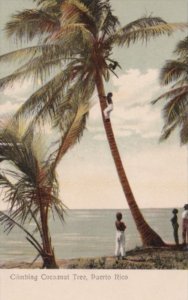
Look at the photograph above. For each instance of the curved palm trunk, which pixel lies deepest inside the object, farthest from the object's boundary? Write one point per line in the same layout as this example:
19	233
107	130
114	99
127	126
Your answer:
48	255
148	236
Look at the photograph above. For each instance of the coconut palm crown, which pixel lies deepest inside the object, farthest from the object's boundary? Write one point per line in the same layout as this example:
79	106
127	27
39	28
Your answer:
175	111
72	59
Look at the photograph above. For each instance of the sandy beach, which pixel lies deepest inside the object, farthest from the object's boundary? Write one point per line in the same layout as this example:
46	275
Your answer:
142	258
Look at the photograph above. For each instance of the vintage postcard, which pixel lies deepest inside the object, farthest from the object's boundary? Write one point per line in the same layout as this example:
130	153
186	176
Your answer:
93	149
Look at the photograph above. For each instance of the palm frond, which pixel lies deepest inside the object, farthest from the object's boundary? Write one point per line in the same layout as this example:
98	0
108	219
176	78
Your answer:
109	24
80	91
182	90
19	129
74	132
72	124
23	195
172	71
96	16
47	51
44	101
71	34
74	11
6	219
19	154
21	204
175	108
58	207
182	48
167	130
102	13
38	69
184	131
144	29
180	83
10	192
50	4
22	54
106	22
25	201
31	23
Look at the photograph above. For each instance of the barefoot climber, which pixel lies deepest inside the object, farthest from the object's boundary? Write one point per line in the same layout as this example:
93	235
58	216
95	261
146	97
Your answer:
109	107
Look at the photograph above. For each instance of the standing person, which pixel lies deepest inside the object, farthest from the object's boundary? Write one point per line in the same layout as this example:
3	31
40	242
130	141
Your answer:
175	225
109	107
120	237
185	224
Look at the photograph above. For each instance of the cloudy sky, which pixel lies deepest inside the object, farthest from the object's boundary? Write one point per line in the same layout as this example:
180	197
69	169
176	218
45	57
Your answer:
157	171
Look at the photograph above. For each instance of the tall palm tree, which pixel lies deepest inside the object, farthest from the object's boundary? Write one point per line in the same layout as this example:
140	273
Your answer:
74	57
31	189
175	111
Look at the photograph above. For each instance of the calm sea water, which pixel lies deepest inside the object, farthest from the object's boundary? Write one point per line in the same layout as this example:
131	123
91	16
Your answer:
86	233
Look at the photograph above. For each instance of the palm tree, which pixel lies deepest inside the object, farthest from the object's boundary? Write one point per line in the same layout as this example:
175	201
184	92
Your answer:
30	188
175	111
29	179
73	58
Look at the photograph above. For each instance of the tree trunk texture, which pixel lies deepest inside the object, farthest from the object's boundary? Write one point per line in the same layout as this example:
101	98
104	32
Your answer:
148	235
48	256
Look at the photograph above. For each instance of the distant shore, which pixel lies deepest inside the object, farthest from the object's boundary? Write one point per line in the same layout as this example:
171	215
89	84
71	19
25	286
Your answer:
141	258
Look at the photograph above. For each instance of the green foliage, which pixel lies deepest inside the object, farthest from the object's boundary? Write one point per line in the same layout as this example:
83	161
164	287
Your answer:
175	111
28	181
29	24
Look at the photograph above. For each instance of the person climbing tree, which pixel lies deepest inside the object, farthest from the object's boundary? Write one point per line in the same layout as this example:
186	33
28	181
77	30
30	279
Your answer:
109	107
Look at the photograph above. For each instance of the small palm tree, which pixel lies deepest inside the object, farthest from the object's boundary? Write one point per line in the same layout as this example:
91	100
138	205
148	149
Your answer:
175	111
72	60
30	187
29	179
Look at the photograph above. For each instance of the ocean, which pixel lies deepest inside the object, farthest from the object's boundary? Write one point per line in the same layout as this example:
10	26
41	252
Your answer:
86	233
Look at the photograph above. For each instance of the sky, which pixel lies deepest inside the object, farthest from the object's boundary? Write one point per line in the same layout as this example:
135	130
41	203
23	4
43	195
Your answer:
158	172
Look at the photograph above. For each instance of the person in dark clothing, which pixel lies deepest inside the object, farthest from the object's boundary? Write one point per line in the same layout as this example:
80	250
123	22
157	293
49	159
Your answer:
175	225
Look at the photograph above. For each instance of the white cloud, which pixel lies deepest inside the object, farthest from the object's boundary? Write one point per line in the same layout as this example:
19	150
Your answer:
19	91
13	96
135	87
8	107
100	137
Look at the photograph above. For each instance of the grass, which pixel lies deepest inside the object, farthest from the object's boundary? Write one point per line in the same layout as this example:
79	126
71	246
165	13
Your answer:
136	259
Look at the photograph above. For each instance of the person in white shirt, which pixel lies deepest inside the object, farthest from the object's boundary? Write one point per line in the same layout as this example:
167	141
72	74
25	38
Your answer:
185	224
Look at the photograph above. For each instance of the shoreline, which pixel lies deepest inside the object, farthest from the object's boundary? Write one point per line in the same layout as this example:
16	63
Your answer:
141	258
